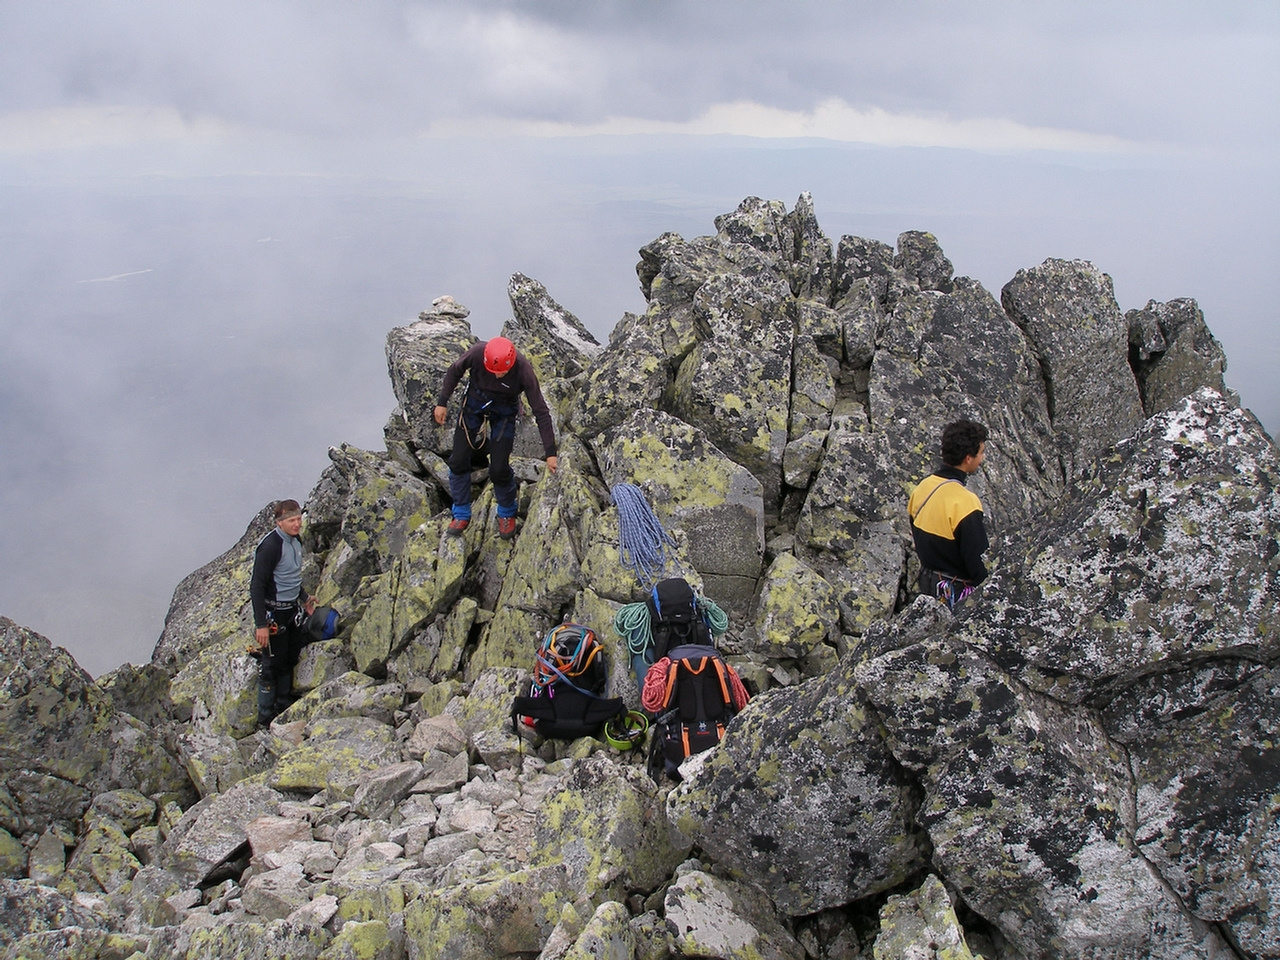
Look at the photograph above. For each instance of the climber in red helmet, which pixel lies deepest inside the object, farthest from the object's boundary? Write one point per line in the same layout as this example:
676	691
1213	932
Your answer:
499	374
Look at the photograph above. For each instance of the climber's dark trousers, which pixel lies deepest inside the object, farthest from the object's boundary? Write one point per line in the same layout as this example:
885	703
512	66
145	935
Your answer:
502	435
275	665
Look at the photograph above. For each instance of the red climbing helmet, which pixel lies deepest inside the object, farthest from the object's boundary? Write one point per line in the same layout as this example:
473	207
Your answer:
499	355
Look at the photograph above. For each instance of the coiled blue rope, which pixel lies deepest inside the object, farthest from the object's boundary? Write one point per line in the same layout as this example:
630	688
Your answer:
642	539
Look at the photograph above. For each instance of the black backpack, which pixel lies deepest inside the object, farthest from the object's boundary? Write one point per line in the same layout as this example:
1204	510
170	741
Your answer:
565	699
696	707
675	617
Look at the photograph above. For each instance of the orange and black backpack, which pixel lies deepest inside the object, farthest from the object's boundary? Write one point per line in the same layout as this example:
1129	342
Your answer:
565	698
697	705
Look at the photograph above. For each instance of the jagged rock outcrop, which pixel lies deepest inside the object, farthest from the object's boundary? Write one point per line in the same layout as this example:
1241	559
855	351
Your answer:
1068	828
1080	762
84	772
1173	353
1069	313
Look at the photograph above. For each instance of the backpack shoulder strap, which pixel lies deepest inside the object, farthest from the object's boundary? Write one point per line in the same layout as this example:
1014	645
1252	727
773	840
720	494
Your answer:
929	497
721	674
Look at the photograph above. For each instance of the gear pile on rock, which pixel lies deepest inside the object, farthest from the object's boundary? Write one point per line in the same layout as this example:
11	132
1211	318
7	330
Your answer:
1083	762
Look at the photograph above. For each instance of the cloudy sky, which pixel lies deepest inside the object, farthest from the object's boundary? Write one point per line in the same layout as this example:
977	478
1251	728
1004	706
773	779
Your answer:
213	213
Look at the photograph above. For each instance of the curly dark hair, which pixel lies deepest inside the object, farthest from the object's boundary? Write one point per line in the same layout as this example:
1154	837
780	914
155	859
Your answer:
961	439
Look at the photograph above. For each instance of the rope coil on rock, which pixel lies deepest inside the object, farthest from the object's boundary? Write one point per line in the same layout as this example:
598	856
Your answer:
631	622
717	619
642	540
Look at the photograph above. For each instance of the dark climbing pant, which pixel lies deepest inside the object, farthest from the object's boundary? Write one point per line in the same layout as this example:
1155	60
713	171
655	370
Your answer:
276	663
469	442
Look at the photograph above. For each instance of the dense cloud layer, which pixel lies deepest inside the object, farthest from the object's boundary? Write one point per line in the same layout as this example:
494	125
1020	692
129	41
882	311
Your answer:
1185	77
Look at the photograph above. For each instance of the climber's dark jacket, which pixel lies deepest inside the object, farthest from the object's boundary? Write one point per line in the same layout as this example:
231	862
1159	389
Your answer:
948	527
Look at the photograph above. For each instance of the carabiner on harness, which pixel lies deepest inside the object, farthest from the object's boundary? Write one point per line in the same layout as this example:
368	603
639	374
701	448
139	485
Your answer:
949	594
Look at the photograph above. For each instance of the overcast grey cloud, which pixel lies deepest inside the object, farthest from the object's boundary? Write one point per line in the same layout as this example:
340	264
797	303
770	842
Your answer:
1182	73
213	213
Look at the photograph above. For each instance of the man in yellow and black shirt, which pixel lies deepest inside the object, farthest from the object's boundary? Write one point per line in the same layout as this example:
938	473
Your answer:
946	518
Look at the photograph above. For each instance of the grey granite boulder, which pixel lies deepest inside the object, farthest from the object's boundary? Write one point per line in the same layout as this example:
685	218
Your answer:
55	730
29	908
213	831
420	583
813	758
850	528
751	325
607	827
378	792
274	894
146	758
634	371
1205	785
1173	353
505	916
1164	555
335	753
1069	312
361	517
1028	807
711	917
417	356
921	923
920	259
607	933
795	612
860	259
554	340
813	387
812	258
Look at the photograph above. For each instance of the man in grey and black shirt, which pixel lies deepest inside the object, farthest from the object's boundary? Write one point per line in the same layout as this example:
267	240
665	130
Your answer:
280	609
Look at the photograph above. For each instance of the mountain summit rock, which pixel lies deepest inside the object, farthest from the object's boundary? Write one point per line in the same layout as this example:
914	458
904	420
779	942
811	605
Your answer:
1082	761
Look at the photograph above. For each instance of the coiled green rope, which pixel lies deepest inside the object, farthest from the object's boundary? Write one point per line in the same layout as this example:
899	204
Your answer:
631	622
717	619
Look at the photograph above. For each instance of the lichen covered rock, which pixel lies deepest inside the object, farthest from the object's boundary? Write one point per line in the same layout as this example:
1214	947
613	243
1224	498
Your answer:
804	798
710	917
1080	761
607	825
921	923
1121	579
55	730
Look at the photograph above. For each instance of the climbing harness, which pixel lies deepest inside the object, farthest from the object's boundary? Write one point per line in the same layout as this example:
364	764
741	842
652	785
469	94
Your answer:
482	434
643	541
951	590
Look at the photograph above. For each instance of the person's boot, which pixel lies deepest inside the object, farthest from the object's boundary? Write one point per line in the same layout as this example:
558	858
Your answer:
506	527
266	701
